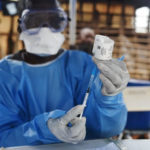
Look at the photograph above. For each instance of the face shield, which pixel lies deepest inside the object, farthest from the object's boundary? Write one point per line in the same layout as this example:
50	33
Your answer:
55	19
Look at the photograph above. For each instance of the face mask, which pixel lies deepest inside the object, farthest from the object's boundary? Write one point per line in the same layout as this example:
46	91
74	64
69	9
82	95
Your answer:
45	42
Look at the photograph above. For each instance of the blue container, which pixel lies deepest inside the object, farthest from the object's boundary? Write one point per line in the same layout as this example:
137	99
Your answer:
138	120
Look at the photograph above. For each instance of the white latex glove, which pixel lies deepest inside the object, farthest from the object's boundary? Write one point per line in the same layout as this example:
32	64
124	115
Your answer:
74	134
113	74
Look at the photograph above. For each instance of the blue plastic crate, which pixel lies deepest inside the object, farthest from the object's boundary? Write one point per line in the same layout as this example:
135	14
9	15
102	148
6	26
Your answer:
138	121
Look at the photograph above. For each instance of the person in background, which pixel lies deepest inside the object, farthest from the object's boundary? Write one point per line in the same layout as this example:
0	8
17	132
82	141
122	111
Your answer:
42	87
86	40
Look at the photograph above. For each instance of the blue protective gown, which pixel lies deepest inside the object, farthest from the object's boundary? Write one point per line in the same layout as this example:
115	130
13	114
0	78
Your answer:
32	94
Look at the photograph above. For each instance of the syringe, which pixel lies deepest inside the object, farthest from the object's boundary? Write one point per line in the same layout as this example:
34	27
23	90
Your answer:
102	50
88	89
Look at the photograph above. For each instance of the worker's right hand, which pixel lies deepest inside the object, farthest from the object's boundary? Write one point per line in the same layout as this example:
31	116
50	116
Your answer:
69	128
113	74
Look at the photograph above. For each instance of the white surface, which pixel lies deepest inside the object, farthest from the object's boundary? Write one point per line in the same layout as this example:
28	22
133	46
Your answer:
137	144
92	145
86	145
137	98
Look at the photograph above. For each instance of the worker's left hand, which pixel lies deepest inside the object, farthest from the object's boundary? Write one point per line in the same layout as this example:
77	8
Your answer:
113	74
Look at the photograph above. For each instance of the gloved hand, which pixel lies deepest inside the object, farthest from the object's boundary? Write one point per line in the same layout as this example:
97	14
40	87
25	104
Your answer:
70	134
113	74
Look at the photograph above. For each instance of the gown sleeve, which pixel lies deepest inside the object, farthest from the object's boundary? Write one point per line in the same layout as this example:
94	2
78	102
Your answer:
15	128
106	115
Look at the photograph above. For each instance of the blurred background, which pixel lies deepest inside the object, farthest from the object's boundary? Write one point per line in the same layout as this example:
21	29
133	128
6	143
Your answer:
126	22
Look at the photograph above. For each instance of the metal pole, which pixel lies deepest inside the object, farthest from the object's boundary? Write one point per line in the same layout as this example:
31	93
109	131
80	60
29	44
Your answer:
72	24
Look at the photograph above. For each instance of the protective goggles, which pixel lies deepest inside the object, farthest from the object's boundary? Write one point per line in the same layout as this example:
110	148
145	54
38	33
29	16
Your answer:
56	20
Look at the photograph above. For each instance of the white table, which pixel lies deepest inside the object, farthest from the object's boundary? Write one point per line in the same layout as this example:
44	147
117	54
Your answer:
102	144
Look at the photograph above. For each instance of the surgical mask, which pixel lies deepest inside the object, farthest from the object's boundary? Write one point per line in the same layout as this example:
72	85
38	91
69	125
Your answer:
45	42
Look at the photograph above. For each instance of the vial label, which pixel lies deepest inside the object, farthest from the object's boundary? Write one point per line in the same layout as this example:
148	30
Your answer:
103	47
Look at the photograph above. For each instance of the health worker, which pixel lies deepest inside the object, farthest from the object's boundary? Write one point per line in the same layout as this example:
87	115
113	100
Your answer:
43	86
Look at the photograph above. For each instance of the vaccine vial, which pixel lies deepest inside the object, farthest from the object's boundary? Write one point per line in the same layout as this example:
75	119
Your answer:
103	47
